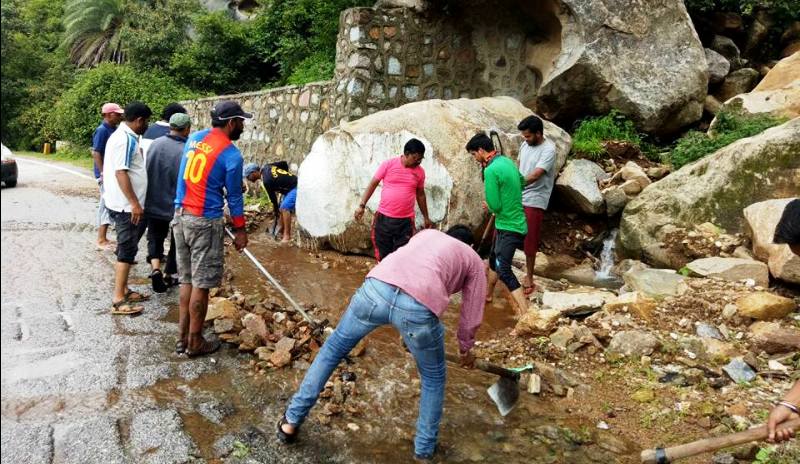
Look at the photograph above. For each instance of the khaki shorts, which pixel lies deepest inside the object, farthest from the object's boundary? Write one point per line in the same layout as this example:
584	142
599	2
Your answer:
199	246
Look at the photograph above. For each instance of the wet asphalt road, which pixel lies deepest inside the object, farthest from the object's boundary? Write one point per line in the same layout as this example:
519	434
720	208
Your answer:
81	386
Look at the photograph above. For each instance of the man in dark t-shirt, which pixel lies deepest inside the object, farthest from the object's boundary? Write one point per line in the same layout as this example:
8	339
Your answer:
112	115
161	127
276	178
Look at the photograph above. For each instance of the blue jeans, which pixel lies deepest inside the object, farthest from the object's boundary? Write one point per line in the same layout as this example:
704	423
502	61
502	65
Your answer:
375	304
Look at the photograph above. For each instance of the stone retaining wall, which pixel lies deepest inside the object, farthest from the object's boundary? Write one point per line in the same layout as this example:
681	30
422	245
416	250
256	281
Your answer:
385	58
286	120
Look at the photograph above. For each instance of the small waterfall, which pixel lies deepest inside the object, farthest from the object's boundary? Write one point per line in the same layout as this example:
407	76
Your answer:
607	256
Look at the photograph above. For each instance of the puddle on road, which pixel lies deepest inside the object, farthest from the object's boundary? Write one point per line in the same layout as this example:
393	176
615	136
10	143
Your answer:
472	430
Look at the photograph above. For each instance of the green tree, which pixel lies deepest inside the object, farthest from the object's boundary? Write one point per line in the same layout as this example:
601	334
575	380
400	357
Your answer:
156	30
300	36
77	112
34	69
223	57
94	31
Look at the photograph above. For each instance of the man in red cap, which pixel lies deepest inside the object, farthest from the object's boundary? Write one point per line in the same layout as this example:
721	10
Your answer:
112	115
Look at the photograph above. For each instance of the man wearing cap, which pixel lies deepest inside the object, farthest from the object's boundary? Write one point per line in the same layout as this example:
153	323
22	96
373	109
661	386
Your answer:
163	161
161	127
112	115
210	172
125	189
276	178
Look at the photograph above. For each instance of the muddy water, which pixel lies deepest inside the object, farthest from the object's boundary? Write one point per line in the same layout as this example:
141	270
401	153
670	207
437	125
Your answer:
388	388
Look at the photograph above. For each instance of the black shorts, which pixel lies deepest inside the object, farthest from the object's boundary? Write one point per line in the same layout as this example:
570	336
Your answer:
128	235
506	243
389	234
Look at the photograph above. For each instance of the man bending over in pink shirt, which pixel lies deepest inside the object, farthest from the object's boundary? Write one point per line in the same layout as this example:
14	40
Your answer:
403	181
410	290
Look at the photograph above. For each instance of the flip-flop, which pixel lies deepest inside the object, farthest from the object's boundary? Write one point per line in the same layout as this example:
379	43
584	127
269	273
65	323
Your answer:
287	438
180	347
209	346
123	308
132	296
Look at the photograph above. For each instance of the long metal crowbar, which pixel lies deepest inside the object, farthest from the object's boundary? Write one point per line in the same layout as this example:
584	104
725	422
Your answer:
277	285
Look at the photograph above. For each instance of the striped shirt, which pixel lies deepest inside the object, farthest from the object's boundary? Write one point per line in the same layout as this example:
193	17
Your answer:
123	153
210	172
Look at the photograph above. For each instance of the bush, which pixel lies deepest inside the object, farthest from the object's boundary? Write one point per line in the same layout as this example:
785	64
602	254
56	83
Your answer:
730	127
591	133
783	10
77	112
317	67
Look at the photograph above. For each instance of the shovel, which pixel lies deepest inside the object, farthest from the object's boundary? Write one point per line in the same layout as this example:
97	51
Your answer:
673	453
504	392
316	328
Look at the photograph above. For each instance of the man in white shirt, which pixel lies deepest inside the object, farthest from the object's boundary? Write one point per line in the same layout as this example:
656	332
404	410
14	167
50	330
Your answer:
125	190
537	157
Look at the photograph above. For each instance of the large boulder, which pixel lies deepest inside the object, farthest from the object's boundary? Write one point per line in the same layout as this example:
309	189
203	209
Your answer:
578	185
343	160
733	269
641	57
716	188
778	93
762	218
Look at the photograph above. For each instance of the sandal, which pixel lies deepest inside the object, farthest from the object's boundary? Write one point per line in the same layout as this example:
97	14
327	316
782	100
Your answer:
124	308
207	348
180	347
159	286
287	438
132	296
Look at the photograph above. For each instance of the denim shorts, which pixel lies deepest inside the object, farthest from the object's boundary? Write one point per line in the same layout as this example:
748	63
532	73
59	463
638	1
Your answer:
128	235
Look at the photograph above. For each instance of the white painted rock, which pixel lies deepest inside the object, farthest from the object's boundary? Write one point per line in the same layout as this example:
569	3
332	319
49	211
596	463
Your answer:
733	269
343	160
762	218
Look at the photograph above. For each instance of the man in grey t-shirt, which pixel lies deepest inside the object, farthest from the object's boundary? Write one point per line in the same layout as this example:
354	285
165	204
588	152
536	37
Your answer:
163	163
537	159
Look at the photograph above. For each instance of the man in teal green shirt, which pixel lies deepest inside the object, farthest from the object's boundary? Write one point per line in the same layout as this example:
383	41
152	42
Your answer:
503	188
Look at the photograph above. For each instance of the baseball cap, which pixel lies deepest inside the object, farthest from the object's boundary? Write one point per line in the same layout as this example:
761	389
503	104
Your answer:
179	121
228	109
250	168
111	108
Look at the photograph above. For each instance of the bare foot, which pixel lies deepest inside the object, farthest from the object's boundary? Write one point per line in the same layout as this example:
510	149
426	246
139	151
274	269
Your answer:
286	240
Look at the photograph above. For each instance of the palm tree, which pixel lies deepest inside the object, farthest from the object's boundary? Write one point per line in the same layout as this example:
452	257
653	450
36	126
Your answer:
93	31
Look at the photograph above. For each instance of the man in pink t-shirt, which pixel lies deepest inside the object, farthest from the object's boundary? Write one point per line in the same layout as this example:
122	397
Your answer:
403	182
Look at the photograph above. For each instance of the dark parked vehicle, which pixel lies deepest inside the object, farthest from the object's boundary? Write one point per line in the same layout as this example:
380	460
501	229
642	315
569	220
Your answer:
9	171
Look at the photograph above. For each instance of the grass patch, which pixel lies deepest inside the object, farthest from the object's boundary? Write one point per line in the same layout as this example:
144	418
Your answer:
81	159
730	127
591	133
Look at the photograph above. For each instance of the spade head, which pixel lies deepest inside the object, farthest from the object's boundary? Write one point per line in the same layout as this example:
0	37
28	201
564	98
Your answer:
504	393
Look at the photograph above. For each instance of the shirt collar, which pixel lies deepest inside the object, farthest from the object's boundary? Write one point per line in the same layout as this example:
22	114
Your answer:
127	129
162	123
492	156
177	138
